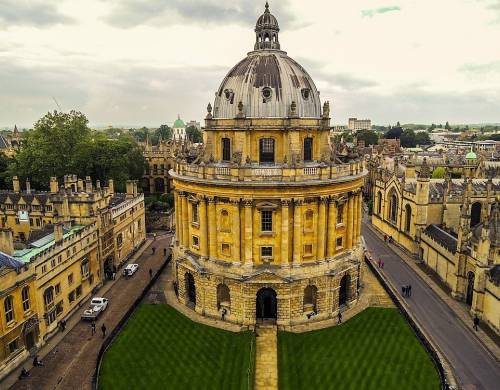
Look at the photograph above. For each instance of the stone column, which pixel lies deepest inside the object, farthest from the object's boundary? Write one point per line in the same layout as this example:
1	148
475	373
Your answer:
212	228
185	220
360	214
248	204
354	219
285	257
332	224
297	232
178	217
236	230
203	227
321	228
350	221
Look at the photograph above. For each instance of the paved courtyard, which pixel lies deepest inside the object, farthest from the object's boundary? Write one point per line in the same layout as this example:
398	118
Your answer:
70	363
475	367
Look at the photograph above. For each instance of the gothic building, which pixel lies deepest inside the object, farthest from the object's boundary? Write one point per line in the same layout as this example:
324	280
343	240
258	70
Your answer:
452	225
268	212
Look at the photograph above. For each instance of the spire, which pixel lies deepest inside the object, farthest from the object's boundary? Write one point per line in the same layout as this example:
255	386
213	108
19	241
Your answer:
266	31
15	129
267	8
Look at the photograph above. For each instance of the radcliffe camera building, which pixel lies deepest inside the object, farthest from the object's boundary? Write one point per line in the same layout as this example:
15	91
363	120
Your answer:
268	213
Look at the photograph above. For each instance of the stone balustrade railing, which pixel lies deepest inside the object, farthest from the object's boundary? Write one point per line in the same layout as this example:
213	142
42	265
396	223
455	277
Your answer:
280	173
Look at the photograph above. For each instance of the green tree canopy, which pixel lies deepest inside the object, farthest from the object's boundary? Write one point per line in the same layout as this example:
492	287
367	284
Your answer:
369	136
194	134
164	132
4	165
393	133
422	138
408	139
61	143
438	173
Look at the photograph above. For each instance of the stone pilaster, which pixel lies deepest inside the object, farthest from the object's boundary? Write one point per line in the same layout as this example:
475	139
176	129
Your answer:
350	221
204	222
248	204
332	224
297	232
236	230
320	254
178	217
285	223
185	220
212	228
355	219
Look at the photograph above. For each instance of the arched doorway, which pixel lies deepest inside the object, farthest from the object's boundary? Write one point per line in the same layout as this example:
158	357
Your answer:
190	289
266	304
470	288
475	214
159	185
310	298
344	289
223	297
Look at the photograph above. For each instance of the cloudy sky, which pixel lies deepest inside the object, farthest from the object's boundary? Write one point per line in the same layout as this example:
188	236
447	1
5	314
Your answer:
142	62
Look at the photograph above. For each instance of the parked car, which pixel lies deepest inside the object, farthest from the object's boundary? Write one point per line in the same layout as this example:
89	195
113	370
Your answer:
130	269
97	306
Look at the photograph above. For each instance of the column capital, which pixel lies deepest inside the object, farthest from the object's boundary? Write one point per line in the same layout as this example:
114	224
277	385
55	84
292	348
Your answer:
183	194
235	201
333	199
286	202
247	202
298	202
324	199
201	198
210	199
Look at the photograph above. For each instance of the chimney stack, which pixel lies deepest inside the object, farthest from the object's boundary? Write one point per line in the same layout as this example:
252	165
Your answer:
88	185
98	184
130	189
15	184
80	185
111	186
28	186
54	185
6	242
58	231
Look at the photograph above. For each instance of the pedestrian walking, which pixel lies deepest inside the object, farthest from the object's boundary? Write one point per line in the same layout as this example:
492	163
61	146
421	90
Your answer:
223	314
93	327
339	317
153	250
150	273
164	251
385	237
103	328
403	290
378	263
409	290
475	322
381	263
36	362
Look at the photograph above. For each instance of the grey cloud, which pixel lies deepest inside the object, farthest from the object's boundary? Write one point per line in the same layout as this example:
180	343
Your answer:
30	13
481	69
493	5
381	10
131	13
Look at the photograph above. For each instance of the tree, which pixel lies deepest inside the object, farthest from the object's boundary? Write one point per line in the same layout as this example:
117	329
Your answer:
447	126
194	134
398	124
164	132
422	138
438	173
408	139
61	143
393	133
369	136
4	166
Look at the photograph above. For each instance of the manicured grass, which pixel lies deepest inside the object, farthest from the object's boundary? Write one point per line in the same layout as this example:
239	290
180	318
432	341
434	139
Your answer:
161	349
374	350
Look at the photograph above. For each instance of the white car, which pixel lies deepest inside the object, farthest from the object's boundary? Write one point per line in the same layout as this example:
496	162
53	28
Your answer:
130	269
97	306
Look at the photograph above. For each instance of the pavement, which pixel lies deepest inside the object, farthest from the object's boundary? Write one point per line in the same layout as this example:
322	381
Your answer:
70	358
475	367
266	358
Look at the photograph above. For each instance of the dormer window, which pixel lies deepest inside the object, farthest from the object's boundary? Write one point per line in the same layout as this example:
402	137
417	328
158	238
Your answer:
306	93
266	151
226	149
267	93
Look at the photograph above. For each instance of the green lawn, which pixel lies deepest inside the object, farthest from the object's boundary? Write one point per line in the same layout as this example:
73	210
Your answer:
161	349
374	350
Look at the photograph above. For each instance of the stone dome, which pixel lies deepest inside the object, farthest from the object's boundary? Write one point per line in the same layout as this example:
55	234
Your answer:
267	83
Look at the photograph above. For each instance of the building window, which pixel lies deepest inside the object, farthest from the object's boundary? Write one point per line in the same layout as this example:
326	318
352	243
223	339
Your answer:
266	220
266	150
308	149
226	149
196	241
309	219
266	251
25	295
85	268
308	249
59	308
53	263
225	225
408	218
119	240
226	249
340	214
48	298
14	345
194	212
393	215
79	291
339	242
379	203
70	279
44	268
8	305
71	296
58	288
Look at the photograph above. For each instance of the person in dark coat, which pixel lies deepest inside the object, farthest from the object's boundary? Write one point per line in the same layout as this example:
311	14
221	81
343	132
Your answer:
403	290
93	327
153	250
36	362
475	322
103	328
409	290
339	317
150	273
24	373
164	251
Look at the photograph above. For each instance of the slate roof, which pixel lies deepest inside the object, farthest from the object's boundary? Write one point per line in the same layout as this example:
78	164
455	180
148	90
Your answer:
444	238
494	274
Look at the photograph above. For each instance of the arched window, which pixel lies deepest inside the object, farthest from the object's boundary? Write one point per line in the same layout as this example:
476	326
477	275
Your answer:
266	38
408	218
223	297
345	283
308	149
393	210
308	223
48	298
190	289
25	295
226	149
225	223
475	214
379	203
266	150
159	184
8	305
310	298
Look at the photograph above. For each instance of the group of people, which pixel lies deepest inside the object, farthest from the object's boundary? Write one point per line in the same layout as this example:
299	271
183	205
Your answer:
36	363
380	263
93	327
406	291
388	239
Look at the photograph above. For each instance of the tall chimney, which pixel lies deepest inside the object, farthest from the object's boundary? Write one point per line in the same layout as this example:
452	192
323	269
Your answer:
54	185
88	185
80	185
28	186
130	189
98	184
135	188
58	231
15	184
111	186
6	242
